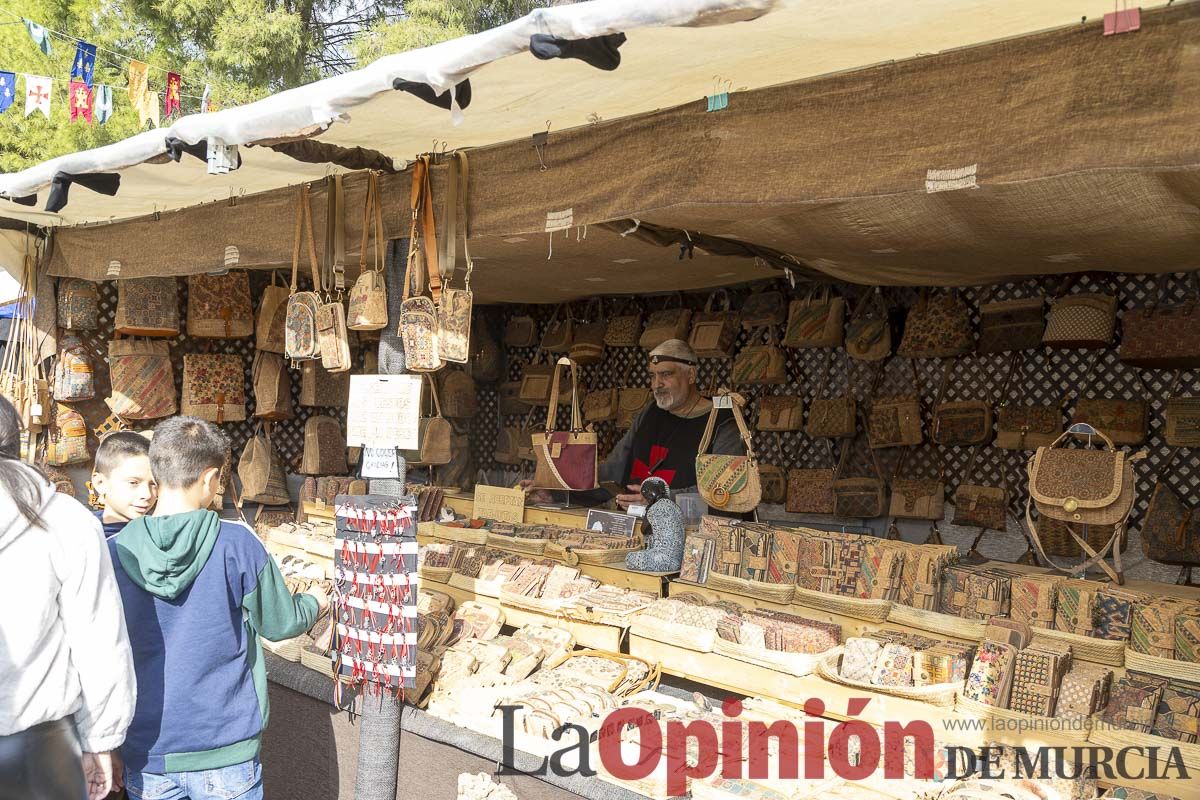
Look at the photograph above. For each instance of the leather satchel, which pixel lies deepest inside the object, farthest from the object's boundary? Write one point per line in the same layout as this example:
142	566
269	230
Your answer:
624	330
261	471
728	483
918	498
763	309
810	491
600	405
774	484
272	387
1182	427
831	417
937	327
219	306
669	323
520	331
150	307
588	344
869	332
565	459
760	364
714	331
1028	427
1081	321
214	387
368	296
1095	487
780	413
78	304
1009	325
143	380
560	333
1161	336
817	320
1125	422
324	447
1170	530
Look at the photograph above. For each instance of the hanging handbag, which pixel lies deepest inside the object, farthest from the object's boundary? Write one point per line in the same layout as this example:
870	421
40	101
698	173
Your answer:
270	326
435	433
763	308
418	312
1029	426
895	420
368	296
74	379
324	447
536	382
774	484
587	346
1009	325
918	498
456	305
937	327
272	387
143	380
508	446
1081	321
1125	422
520	331
565	459
810	490
458	390
780	413
1161	336
666	324
1182	416
214	387
978	505
219	306
859	498
714	332
831	417
333	337
486	364
560	332
510	401
261	471
68	442
1170	530
630	402
1091	487
961	423
760	364
728	483
320	388
869	332
300	322
817	320
624	330
147	307
78	304
600	405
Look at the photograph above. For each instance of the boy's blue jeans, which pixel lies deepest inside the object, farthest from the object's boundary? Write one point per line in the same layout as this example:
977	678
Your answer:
238	782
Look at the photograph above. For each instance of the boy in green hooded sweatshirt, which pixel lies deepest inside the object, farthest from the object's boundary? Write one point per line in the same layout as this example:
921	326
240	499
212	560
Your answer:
198	591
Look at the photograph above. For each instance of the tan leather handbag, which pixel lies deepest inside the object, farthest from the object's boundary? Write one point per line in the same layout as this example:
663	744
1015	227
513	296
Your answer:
261	470
324	447
667	323
434	434
368	297
728	483
817	320
272	387
270	326
760	364
784	412
565	459
714	331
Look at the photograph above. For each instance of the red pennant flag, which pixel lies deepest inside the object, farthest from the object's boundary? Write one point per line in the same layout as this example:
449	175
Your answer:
81	101
171	99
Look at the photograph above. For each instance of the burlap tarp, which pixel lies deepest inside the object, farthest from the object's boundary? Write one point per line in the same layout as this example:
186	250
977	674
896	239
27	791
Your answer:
1055	152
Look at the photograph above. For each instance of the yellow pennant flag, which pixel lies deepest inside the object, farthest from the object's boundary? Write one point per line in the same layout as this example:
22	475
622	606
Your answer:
138	82
148	109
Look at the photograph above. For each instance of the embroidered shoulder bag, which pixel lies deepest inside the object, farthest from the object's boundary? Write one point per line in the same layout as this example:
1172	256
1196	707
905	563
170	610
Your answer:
300	325
937	327
1162	336
418	313
760	364
817	320
961	423
668	323
368	297
78	304
728	483
219	306
565	459
332	336
455	306
147	307
214	387
831	417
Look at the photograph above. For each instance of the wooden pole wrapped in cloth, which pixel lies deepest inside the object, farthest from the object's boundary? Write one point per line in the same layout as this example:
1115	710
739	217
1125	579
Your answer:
565	459
728	483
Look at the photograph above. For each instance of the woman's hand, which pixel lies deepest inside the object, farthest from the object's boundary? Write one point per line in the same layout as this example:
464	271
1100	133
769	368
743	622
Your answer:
534	495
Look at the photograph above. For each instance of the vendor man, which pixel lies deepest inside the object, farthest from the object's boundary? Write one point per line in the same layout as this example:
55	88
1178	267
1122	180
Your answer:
665	436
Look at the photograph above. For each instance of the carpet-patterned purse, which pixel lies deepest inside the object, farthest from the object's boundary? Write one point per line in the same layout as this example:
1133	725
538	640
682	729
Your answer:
320	388
219	306
918	498
78	304
625	329
895	421
418	313
937	327
810	491
1125	422
1028	427
150	307
214	387
817	320
1160	336
961	423
143	380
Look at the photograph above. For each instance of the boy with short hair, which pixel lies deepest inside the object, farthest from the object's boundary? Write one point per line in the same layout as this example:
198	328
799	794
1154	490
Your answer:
198	591
122	480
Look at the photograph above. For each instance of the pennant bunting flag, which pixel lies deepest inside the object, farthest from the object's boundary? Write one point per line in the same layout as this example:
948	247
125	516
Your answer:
104	103
40	36
171	100
8	90
148	109
81	101
138	82
37	94
85	64
206	100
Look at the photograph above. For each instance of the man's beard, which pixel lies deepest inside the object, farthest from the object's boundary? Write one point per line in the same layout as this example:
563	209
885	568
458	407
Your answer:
665	401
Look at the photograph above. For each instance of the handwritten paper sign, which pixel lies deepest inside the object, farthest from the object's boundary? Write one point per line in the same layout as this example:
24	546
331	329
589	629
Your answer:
502	505
380	462
384	411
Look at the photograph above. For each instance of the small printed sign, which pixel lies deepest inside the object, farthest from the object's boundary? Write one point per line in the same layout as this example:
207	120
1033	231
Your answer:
611	522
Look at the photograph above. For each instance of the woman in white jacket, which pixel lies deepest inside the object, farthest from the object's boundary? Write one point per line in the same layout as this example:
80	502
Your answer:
66	672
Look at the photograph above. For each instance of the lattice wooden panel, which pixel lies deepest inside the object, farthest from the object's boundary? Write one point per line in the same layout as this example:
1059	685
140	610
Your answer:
288	436
1046	377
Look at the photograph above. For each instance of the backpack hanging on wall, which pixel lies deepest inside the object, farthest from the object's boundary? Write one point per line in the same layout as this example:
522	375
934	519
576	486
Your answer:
147	307
73	374
78	305
219	306
270	326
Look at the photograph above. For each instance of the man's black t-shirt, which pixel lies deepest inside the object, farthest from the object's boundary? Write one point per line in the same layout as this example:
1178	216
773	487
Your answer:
665	446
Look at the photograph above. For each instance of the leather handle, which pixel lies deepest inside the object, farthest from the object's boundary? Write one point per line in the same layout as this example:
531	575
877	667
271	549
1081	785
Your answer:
576	418
710	426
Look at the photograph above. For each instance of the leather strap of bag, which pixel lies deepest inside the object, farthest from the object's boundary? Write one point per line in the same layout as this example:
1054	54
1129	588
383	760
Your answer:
421	206
576	418
334	237
304	230
437	403
372	224
710	426
1015	362
447	260
823	385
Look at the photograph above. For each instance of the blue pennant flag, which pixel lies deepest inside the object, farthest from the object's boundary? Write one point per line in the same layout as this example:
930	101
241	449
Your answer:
40	36
85	63
8	90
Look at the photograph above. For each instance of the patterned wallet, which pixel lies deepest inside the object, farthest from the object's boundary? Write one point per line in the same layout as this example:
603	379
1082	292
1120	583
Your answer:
697	552
1187	636
1133	702
727	552
1178	715
756	544
894	666
1076	611
942	663
783	558
1034	598
883	568
814	563
1114	612
790	633
858	659
1037	677
1153	627
848	568
1084	691
921	575
990	679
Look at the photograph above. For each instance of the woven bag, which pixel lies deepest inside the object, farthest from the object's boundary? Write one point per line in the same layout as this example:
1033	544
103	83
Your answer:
1081	321
78	305
667	323
937	327
322	389
457	390
270	326
324	447
714	331
763	308
148	307
587	346
817	320
214	387
219	306
262	472
368	297
1162	336
1009	325
869	332
760	364
68	442
728	483
625	329
1182	427
73	374
143	380
272	387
